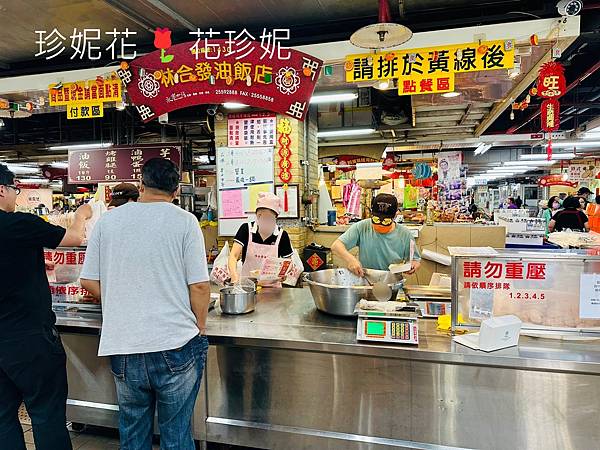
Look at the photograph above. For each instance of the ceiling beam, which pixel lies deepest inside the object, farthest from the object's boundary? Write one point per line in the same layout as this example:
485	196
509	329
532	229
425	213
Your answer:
172	14
517	90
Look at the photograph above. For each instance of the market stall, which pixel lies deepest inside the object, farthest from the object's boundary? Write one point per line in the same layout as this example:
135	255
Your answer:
345	390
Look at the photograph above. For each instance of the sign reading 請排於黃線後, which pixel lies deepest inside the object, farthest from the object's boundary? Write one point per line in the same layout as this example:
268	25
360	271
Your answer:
430	70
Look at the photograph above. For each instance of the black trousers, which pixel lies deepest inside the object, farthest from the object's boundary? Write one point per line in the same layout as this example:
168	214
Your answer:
33	370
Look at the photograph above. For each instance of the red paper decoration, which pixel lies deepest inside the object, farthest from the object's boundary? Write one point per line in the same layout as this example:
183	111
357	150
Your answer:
285	164
551	81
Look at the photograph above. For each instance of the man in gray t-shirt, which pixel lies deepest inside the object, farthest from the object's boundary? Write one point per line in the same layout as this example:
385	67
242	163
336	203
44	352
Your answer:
147	263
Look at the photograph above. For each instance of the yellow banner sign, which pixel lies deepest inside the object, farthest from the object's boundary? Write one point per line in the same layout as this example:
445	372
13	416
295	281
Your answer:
85	111
81	92
431	62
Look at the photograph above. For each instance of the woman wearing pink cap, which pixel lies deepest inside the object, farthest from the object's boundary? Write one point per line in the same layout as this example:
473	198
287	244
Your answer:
259	240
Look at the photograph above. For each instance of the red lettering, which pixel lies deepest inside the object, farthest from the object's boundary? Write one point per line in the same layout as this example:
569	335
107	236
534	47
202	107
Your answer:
472	269
536	271
514	270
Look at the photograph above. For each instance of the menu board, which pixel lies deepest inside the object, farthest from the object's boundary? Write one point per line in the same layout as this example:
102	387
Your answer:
117	164
242	173
251	130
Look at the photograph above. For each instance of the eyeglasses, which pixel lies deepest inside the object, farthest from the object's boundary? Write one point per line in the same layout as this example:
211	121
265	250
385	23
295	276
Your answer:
13	187
379	221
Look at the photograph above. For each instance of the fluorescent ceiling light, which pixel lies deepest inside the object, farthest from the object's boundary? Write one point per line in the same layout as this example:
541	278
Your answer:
33	181
81	146
18	169
482	148
345	132
450	94
234	105
528	163
60	165
544	157
333	97
569	144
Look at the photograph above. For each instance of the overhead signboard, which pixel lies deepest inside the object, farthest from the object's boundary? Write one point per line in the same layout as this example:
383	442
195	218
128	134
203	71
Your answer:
82	92
430	70
220	73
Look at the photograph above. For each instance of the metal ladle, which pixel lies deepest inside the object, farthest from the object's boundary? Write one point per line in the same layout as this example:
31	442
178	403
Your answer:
381	291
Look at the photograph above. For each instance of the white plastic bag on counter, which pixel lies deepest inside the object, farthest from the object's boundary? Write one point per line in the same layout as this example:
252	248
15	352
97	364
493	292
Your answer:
98	208
294	271
220	270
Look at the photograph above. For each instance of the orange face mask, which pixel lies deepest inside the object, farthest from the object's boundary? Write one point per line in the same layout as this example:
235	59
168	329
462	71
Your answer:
382	229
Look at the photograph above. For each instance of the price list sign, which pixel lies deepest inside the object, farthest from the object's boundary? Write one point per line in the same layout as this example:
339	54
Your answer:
251	130
117	164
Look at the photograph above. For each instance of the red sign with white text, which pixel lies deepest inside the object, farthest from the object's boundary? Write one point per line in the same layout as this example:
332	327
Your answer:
221	73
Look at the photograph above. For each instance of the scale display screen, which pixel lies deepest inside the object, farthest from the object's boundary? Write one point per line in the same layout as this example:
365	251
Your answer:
375	328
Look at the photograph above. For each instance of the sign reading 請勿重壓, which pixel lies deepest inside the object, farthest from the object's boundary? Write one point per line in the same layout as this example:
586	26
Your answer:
217	74
430	70
116	164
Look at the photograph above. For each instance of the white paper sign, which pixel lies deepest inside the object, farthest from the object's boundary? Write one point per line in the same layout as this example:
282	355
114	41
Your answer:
589	296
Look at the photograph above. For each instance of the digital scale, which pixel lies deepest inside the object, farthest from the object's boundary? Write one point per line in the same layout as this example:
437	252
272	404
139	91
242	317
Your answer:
394	328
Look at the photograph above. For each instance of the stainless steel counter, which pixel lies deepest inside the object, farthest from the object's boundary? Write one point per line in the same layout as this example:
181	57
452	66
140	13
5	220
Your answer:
288	376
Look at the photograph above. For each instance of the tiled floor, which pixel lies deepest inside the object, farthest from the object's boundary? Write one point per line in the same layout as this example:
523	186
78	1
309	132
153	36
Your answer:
90	439
96	438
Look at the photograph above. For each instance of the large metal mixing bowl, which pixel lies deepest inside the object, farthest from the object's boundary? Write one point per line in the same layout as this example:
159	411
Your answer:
337	291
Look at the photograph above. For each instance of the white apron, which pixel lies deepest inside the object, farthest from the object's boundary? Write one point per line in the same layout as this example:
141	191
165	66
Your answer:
256	255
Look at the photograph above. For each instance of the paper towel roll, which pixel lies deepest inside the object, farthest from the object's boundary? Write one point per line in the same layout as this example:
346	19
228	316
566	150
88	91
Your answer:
436	257
324	202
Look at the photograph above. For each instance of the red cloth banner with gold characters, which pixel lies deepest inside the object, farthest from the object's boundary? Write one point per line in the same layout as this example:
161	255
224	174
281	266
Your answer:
550	110
187	75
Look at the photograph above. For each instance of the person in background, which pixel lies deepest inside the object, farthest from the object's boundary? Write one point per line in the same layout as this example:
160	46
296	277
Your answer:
570	218
562	197
552	206
518	202
585	196
380	240
261	239
123	193
510	203
32	358
146	262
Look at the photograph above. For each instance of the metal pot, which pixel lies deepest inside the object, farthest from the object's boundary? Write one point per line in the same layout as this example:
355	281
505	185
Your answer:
237	303
337	291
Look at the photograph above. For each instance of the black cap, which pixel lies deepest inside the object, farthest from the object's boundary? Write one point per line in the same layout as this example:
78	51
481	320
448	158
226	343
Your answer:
584	191
384	206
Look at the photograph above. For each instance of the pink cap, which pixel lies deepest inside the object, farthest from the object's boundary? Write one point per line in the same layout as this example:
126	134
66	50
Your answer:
269	201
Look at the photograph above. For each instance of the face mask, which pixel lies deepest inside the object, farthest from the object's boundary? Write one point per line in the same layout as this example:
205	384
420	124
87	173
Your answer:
266	224
381	229
555	205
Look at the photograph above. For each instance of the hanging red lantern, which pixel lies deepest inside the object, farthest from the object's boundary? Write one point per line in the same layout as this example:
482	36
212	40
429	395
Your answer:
550	114
551	82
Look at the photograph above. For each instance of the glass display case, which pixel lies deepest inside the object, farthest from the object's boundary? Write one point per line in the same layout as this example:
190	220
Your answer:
549	290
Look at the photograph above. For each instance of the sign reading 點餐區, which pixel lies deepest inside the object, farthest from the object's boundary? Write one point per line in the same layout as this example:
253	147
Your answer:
117	164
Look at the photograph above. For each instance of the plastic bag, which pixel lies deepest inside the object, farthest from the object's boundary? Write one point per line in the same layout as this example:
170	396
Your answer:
294	271
220	270
98	208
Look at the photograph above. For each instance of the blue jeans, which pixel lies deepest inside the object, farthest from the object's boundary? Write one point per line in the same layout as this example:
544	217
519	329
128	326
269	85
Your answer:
168	380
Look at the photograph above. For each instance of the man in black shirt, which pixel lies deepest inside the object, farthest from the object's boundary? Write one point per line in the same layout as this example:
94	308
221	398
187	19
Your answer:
32	359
